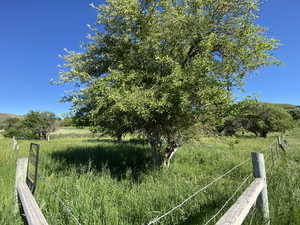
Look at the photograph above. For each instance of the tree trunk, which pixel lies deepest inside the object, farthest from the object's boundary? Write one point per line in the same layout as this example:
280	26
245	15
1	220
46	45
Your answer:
169	153
263	134
168	156
155	143
119	138
41	135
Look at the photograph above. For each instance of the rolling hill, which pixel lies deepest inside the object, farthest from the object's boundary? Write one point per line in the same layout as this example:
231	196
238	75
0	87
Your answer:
5	116
288	106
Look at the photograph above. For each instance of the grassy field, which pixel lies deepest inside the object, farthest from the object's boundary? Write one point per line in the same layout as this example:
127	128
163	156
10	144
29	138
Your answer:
71	132
109	183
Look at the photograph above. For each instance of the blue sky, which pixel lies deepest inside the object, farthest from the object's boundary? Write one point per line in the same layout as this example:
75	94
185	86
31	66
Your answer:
34	33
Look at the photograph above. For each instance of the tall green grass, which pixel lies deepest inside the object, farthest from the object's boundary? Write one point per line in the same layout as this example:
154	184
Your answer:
109	183
7	184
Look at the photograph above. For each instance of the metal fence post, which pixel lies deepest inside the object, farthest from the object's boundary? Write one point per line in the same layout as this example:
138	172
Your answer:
259	171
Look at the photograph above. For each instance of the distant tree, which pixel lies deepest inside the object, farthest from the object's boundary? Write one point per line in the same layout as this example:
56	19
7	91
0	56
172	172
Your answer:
295	113
40	123
137	74
14	127
8	123
262	118
233	120
35	125
231	126
66	120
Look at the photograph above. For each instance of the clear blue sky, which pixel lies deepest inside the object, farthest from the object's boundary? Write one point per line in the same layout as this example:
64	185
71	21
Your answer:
34	33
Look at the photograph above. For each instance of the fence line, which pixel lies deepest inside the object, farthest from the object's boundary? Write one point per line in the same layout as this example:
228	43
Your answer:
280	143
277	141
28	204
65	206
24	195
229	199
257	191
197	192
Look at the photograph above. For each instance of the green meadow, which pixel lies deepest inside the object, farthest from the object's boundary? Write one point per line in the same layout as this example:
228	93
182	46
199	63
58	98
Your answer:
109	183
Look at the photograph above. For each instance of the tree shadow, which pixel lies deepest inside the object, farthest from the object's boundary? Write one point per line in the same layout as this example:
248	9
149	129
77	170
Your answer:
246	137
122	160
135	141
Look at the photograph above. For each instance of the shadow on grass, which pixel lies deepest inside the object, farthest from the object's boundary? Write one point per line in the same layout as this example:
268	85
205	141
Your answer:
122	160
247	137
130	141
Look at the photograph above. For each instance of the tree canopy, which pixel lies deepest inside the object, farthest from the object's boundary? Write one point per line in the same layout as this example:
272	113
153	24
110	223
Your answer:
295	113
35	124
260	119
158	67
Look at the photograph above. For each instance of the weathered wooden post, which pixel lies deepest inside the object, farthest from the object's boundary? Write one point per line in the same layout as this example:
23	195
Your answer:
272	155
276	148
25	185
14	143
280	144
259	171
20	176
17	151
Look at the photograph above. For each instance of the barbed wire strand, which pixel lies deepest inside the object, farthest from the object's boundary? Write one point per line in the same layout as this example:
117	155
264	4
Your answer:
197	192
65	206
229	199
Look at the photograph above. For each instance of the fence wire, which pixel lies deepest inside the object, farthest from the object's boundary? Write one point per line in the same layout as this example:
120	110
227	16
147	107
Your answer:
65	206
229	199
154	221
197	192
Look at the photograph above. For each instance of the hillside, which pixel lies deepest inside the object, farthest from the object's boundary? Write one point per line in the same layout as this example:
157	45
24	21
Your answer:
5	116
288	106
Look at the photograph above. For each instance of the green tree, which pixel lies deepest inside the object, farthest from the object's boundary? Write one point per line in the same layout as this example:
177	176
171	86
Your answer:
66	120
35	124
262	118
14	127
233	121
40	123
295	113
8	123
158	66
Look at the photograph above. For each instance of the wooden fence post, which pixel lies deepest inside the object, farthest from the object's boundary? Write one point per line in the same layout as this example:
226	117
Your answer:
20	176
14	143
28	204
259	171
276	149
272	155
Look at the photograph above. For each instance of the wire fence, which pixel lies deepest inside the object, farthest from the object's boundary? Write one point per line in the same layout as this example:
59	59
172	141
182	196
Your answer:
275	144
269	156
196	193
229	199
65	206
